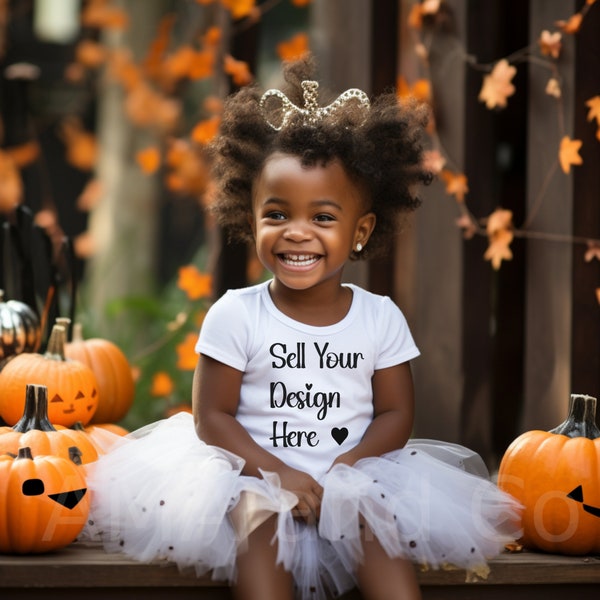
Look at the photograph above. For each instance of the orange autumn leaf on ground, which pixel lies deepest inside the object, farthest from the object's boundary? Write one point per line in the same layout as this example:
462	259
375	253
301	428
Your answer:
162	384
11	184
238	69
205	131
194	283
497	86
148	159
81	145
294	48
186	353
500	236
569	153
456	184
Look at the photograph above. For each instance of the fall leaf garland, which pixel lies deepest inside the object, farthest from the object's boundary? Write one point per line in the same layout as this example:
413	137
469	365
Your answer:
497	87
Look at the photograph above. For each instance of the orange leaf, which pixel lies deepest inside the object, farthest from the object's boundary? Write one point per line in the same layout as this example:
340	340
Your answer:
239	8
456	184
188	172
148	159
593	251
500	236
212	37
569	153
11	184
497	86
84	245
238	70
550	43
553	88
123	69
572	25
81	145
294	48
468	227
158	47
90	196
420	89
148	108
162	384
90	54
186	353
24	154
433	161
206	130
177	65
594	106
99	14
202	65
196	284
301	3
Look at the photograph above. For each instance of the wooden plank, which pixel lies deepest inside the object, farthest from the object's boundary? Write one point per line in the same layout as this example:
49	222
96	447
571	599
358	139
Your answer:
87	565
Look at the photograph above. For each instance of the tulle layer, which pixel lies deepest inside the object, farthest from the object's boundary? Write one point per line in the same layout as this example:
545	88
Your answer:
163	494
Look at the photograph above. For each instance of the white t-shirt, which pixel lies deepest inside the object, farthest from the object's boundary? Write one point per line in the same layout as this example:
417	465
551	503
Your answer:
306	391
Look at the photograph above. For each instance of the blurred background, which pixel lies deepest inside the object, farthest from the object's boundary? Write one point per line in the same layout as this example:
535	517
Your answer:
107	107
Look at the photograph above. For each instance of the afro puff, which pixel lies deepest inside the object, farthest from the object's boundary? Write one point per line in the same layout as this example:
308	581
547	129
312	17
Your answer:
379	147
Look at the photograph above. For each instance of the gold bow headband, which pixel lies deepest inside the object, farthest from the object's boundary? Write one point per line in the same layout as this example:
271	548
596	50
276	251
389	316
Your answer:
312	111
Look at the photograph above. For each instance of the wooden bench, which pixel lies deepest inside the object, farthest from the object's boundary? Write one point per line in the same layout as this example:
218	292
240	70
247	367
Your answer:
85	571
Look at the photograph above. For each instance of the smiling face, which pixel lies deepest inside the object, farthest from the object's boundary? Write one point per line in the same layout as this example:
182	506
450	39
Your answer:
307	221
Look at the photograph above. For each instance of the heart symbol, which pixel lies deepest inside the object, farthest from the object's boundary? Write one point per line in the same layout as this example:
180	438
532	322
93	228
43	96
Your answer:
339	435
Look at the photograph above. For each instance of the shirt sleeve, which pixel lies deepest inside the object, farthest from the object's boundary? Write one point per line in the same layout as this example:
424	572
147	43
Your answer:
396	344
224	333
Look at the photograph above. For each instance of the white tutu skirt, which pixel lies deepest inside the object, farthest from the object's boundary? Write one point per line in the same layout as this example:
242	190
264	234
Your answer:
162	494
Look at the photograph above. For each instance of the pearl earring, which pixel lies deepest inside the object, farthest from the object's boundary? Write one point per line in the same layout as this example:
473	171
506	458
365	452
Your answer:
359	247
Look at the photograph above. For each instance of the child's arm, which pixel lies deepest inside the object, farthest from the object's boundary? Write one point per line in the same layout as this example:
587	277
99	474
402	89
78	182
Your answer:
393	406
215	396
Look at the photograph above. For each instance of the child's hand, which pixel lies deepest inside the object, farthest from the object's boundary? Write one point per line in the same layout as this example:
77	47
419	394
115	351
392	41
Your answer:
309	493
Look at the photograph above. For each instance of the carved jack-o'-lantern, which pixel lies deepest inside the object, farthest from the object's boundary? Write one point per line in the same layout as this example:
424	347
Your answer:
43	502
556	476
72	386
34	430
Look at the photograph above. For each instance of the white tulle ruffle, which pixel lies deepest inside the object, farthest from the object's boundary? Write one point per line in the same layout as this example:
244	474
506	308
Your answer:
161	493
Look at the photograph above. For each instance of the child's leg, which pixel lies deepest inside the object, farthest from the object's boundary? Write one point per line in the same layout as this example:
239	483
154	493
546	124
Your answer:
258	575
383	578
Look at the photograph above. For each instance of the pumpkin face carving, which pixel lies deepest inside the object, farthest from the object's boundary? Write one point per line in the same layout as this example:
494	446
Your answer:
72	386
556	476
43	503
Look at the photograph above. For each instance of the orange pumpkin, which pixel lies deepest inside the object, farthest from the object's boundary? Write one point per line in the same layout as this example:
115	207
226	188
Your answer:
116	387
556	476
43	502
72	386
35	431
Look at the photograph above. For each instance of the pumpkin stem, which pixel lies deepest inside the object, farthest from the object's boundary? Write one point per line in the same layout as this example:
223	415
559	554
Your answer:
581	420
77	332
35	415
55	350
25	453
64	322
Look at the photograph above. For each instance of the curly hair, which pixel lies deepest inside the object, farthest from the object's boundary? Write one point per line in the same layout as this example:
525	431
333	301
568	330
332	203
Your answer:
380	149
